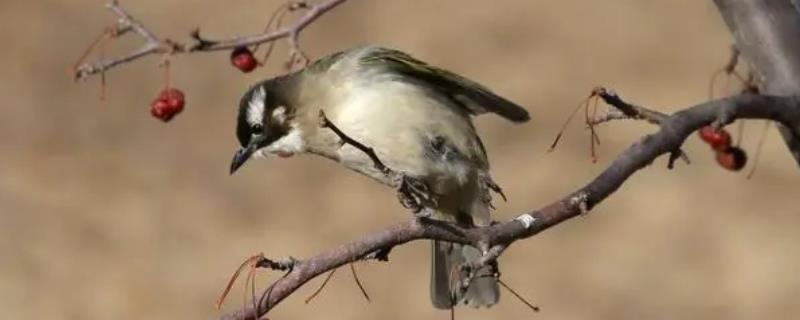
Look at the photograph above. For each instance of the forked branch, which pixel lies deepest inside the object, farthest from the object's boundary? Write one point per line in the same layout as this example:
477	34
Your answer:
625	110
673	130
154	45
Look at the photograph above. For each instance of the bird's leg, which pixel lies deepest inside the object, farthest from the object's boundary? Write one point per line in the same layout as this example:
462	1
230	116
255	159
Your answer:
415	195
412	192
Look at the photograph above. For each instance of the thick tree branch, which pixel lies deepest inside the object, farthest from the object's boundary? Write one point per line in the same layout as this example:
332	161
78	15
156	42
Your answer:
674	129
155	45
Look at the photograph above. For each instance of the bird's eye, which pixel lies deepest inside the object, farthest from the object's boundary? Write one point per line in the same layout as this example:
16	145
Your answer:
257	128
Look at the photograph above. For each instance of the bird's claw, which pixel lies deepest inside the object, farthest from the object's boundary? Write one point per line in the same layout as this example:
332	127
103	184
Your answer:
415	195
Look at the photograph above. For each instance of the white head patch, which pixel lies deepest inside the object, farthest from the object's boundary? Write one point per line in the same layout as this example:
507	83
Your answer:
290	144
255	109
279	114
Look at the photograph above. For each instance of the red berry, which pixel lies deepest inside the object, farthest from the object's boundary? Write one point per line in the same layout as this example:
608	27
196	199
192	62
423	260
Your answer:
159	108
174	97
242	58
732	158
717	139
169	103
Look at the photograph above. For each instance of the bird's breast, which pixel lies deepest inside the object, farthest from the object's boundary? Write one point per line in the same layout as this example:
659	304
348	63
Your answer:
399	120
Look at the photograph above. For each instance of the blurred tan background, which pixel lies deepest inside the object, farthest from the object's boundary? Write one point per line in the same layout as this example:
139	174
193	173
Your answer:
106	212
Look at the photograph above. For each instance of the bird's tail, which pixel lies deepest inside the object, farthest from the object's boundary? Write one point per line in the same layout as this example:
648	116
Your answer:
482	291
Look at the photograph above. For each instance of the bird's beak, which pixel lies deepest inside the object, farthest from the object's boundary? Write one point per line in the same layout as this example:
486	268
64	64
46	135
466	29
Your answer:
240	157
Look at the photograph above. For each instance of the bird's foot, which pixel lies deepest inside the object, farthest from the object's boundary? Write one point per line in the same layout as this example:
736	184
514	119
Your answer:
415	195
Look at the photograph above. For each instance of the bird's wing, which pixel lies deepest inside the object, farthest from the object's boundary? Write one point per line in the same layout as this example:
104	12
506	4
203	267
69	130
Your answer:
476	98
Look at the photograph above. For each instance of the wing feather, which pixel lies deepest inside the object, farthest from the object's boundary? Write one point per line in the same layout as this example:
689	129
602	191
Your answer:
473	96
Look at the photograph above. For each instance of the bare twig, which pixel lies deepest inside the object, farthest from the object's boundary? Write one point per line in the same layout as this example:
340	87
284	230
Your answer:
673	130
566	122
729	69
127	20
519	297
328	278
125	23
621	110
321	286
154	45
631	111
733	60
358	282
313	12
627	110
254	262
759	147
249	261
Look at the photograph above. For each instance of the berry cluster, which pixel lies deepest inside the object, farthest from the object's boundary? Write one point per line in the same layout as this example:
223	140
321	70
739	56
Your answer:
169	103
728	156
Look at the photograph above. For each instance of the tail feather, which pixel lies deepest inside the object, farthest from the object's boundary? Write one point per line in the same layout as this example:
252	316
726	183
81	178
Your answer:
483	290
441	296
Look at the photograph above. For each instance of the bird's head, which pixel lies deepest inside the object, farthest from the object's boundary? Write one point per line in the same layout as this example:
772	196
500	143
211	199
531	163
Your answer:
264	126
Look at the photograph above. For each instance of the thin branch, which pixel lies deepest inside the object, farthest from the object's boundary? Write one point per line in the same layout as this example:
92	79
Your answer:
154	45
759	147
631	111
249	261
102	65
314	11
519	297
321	286
627	110
674	129
358	282
126	19
126	23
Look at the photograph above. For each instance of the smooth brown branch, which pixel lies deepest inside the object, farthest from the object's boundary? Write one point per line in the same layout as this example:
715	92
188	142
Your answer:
673	130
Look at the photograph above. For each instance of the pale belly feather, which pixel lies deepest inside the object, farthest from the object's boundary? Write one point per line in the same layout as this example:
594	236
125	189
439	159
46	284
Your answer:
399	120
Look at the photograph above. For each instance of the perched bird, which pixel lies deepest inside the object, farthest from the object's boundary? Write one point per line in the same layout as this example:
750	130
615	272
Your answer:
416	118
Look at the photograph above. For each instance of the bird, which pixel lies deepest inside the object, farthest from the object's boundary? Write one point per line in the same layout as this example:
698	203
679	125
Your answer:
415	117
